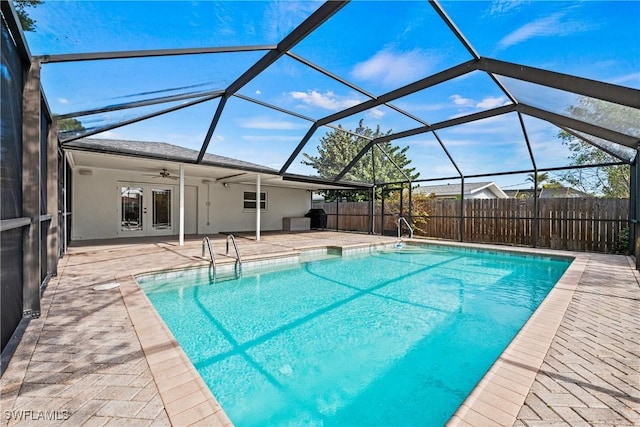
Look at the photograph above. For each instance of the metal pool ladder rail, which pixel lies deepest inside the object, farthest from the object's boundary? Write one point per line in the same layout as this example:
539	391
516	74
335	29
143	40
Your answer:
235	246
400	221
208	243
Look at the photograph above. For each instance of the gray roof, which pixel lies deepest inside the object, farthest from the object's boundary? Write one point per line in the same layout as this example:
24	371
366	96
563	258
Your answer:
451	189
547	193
162	150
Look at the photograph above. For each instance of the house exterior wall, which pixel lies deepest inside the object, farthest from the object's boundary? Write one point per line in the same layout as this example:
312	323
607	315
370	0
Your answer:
230	214
485	193
96	204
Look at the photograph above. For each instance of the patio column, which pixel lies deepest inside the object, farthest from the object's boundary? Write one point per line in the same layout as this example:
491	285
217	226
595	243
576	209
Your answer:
181	220
31	191
258	200
53	208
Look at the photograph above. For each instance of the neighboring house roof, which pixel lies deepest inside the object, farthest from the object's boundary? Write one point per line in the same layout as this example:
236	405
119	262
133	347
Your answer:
548	193
162	150
470	189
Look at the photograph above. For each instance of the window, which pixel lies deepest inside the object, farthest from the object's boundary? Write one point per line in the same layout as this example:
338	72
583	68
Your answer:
250	200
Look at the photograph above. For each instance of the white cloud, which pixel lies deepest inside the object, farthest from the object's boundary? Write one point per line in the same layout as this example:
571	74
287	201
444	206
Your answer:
376	113
258	92
271	138
64	101
327	100
633	79
391	68
491	102
503	6
109	134
552	25
265	123
461	101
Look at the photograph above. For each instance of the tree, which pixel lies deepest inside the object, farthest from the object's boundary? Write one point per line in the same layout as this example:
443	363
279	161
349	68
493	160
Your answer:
542	178
609	181
28	24
69	125
337	148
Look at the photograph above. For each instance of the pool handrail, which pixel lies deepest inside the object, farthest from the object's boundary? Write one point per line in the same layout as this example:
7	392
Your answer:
400	221
233	240
213	258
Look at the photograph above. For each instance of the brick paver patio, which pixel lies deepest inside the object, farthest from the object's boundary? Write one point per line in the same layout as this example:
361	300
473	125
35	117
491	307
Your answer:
102	358
591	373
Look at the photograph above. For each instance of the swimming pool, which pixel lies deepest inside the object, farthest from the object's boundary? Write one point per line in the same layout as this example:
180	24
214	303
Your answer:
394	337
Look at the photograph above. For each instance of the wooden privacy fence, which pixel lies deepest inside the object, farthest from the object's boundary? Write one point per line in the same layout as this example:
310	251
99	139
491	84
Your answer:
577	224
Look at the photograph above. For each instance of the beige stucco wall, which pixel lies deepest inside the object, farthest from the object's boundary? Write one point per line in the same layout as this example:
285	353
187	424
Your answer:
95	204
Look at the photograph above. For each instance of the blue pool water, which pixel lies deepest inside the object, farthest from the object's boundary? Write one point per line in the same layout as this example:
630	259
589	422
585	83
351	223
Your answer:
398	337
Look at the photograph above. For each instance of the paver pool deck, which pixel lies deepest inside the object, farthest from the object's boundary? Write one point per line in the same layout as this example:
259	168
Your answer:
103	357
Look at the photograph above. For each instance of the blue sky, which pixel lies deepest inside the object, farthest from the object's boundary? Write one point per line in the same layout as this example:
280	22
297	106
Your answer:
378	46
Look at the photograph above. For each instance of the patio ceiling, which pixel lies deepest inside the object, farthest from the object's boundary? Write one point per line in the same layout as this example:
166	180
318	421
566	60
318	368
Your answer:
266	90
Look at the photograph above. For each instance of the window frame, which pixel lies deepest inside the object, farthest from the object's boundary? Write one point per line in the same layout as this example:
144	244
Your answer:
249	197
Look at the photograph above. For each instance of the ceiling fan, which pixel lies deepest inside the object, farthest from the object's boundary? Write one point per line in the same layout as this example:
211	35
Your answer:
164	173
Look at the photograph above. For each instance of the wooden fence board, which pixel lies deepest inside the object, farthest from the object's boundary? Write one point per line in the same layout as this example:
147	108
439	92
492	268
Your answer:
580	224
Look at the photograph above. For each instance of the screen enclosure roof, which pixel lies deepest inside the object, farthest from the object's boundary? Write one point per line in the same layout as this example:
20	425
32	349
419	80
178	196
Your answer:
471	89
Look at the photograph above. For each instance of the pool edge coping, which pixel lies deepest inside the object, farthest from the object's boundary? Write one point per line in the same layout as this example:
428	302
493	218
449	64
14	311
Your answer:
188	400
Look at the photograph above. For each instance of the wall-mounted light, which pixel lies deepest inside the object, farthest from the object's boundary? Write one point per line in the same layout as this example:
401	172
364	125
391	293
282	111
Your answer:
226	184
85	172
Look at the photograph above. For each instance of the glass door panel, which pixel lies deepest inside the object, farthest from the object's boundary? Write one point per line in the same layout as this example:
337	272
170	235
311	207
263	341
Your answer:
161	209
131	208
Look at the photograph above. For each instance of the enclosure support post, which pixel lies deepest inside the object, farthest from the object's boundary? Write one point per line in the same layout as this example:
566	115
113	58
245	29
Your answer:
181	220
410	205
372	208
536	213
337	210
634	209
31	115
258	206
462	208
382	211
633	220
53	241
65	216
